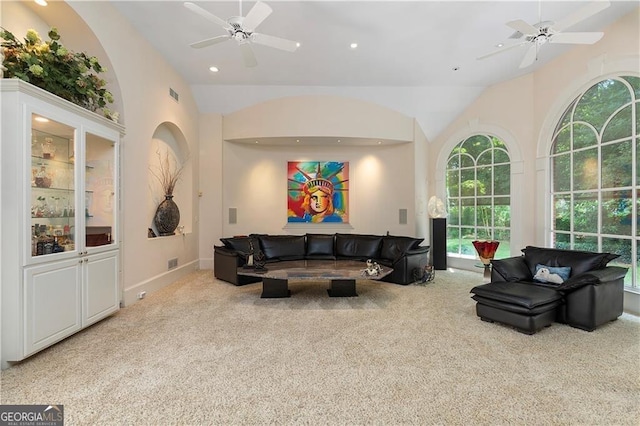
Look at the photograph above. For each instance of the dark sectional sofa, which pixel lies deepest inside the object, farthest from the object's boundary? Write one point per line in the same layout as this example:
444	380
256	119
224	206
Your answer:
590	297
402	254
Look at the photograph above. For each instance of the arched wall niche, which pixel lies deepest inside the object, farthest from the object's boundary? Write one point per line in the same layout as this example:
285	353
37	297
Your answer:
169	147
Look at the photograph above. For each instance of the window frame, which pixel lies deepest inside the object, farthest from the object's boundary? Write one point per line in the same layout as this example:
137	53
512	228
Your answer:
564	120
492	228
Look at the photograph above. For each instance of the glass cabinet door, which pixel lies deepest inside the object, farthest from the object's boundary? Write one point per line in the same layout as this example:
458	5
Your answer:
53	206
100	201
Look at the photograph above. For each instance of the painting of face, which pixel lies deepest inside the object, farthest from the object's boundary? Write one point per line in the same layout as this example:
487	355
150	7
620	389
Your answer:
319	201
317	192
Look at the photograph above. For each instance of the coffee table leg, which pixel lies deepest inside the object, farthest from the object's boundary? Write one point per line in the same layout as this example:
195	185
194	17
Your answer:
342	288
273	288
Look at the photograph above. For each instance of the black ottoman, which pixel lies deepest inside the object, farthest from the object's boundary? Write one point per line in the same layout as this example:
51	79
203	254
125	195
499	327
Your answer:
526	307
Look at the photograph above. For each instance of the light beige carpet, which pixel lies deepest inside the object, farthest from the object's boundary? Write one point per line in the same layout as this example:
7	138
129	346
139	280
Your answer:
203	351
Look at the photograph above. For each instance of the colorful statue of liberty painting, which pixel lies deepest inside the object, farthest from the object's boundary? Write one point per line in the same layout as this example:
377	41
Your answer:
317	191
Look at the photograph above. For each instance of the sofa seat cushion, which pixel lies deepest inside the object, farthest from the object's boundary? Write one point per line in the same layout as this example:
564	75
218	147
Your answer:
356	246
578	261
394	247
282	247
320	246
518	309
525	295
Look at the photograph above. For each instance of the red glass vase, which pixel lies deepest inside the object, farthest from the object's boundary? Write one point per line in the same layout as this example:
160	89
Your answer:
486	251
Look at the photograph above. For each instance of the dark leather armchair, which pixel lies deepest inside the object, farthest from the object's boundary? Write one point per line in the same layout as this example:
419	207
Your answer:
591	296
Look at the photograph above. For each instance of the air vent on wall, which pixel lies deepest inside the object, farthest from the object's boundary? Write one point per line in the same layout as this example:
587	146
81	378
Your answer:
174	94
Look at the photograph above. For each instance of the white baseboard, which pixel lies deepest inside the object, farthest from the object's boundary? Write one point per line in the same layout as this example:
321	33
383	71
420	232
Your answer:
632	303
158	282
206	263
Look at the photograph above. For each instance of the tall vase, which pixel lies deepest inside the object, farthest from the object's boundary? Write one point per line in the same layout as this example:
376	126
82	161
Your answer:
167	216
486	251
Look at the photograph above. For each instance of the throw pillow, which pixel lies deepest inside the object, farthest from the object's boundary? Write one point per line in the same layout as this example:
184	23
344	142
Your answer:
551	274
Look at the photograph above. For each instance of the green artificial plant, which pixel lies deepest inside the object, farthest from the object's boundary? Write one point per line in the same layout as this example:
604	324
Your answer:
50	66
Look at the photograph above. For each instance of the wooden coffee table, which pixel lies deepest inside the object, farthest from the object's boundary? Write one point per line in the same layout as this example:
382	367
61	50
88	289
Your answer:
342	274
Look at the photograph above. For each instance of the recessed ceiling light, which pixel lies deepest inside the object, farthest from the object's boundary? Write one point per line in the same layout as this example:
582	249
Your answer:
41	119
41	2
500	45
338	140
297	140
298	44
257	142
353	45
213	69
379	142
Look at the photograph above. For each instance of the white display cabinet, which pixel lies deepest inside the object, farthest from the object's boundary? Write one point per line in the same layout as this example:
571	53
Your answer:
60	219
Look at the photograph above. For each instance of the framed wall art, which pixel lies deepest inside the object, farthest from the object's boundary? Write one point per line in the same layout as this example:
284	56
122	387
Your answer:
317	192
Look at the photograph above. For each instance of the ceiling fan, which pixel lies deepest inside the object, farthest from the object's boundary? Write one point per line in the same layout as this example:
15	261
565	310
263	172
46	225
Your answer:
535	36
242	30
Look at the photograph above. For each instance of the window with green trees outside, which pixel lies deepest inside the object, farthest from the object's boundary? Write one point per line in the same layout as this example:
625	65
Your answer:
595	174
478	195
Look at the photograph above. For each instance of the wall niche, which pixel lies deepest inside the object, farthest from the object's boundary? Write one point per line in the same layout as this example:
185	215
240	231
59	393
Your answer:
169	152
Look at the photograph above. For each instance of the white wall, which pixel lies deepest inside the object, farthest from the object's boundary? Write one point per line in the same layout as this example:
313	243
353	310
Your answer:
210	207
380	183
318	116
254	181
145	79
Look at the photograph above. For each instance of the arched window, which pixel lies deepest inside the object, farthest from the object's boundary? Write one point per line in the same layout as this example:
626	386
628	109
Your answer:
595	175
478	195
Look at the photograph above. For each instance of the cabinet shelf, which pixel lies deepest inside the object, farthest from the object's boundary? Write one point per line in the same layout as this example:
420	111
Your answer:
52	189
43	160
56	217
66	190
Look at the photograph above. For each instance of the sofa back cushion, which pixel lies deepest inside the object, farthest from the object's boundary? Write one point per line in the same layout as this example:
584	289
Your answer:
510	269
243	244
394	247
356	246
320	246
579	261
282	247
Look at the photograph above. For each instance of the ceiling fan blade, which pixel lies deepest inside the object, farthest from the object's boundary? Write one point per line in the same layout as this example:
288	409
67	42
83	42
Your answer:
523	27
581	14
247	54
275	42
256	15
210	41
206	14
530	56
503	49
576	38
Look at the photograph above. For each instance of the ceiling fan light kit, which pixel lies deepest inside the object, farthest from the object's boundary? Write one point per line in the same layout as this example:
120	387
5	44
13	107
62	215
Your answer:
242	30
535	36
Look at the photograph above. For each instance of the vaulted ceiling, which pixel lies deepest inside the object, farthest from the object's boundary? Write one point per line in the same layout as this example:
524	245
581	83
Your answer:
418	57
